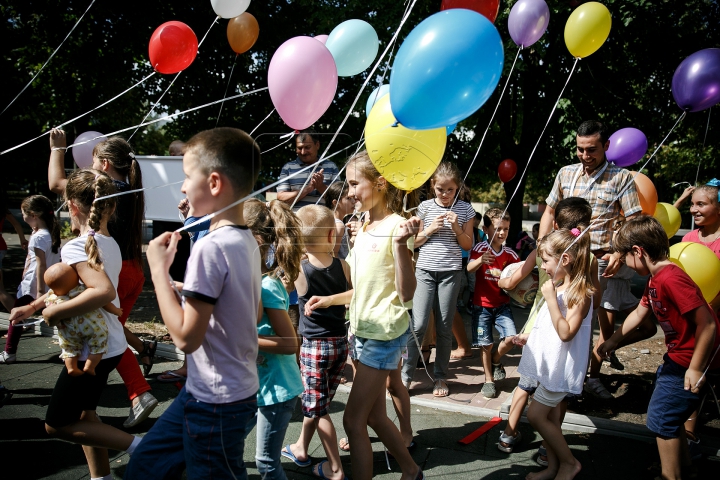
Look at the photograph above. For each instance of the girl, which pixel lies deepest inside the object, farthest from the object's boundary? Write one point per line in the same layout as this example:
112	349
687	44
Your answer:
337	200
278	233
96	257
447	230
556	353
384	283
115	157
43	252
6	300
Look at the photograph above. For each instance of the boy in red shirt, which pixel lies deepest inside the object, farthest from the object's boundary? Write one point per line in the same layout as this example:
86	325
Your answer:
692	337
491	305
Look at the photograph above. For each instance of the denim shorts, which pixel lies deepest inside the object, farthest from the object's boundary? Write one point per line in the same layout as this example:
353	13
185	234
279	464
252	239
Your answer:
379	354
483	320
670	405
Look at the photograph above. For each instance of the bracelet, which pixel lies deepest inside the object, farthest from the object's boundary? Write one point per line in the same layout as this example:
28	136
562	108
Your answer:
55	149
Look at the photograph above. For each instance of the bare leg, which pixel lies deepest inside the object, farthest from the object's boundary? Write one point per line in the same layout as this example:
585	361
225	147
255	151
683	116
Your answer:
71	363
91	362
401	402
458	330
487	355
519	400
606	319
504	347
671	456
561	463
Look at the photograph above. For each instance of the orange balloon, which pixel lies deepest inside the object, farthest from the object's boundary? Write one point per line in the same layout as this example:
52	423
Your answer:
647	193
242	32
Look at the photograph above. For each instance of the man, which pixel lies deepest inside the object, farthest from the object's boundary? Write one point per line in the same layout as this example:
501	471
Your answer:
291	190
609	190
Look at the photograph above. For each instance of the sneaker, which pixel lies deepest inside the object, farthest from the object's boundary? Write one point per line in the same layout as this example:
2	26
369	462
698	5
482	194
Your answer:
7	358
614	362
595	388
507	443
488	390
498	372
542	456
694	447
142	410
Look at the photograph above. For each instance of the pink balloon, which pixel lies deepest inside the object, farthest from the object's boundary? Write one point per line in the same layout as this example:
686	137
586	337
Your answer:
321	38
82	154
302	79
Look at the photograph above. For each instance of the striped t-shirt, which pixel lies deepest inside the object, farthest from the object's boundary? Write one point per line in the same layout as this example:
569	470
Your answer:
441	252
294	184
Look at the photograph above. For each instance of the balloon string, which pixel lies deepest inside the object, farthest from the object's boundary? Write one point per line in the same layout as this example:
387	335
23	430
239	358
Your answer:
284	142
263	121
226	90
50	58
360	143
137	190
208	31
79	116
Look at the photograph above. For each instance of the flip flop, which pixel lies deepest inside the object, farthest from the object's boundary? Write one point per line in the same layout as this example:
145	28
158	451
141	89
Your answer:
320	473
174	377
149	349
287	453
462	357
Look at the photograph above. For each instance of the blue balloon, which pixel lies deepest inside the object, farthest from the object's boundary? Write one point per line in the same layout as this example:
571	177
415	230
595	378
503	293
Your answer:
445	70
354	45
451	128
375	96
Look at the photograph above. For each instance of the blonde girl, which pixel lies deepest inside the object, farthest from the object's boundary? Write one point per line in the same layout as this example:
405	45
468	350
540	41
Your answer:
384	284
557	352
96	257
43	252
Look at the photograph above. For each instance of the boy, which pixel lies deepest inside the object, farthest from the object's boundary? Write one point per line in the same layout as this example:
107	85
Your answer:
204	429
324	348
491	305
692	337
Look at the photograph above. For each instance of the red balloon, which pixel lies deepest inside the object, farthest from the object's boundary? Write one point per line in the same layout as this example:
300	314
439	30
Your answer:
507	170
487	8
173	47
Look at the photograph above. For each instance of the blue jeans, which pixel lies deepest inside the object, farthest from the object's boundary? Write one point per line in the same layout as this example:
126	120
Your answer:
483	320
206	439
670	405
272	422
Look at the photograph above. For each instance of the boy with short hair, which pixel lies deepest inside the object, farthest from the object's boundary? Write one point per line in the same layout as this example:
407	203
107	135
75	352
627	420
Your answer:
692	336
491	305
204	429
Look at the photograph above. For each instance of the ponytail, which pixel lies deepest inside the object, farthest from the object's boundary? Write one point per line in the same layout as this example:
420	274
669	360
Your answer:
42	207
564	241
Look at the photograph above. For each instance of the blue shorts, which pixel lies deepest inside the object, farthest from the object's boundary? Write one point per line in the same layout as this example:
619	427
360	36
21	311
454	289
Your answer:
379	354
670	405
483	320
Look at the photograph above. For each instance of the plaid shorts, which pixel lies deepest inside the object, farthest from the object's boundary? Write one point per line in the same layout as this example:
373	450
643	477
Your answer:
322	362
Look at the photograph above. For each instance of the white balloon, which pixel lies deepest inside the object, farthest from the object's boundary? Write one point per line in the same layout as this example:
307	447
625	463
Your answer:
229	8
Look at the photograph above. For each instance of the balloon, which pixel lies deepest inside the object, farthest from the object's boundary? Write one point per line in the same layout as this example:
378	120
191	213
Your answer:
701	264
450	128
302	80
173	47
354	46
321	38
587	29
82	154
406	158
696	82
507	170
627	146
669	218
528	21
229	8
243	32
646	192
445	70
487	8
375	96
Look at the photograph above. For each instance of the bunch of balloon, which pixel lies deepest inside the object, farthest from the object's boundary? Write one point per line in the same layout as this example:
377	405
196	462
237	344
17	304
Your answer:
696	81
487	8
507	170
587	28
173	47
669	218
300	94
406	158
82	154
229	8
627	147
354	45
646	192
376	95
321	38
242	32
701	264
528	21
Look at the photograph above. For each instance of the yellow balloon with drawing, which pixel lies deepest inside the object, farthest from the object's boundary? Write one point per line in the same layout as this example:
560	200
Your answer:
701	264
669	218
406	158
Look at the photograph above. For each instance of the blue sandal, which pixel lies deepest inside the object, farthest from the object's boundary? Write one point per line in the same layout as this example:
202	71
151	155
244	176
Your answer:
320	473
287	453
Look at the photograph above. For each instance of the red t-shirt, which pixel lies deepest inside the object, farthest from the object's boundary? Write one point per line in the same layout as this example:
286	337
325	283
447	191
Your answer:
671	294
487	291
692	236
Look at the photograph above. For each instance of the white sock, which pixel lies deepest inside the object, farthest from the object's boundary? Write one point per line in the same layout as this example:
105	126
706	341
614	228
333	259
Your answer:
136	441
106	477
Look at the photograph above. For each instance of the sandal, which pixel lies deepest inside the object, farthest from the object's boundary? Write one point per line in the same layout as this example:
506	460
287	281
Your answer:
149	349
439	387
507	443
344	445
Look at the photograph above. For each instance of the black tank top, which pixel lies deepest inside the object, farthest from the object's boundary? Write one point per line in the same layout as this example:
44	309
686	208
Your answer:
324	322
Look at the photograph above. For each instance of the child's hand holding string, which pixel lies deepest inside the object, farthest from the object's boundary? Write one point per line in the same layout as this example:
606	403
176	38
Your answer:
606	348
58	142
161	252
521	339
408	228
694	380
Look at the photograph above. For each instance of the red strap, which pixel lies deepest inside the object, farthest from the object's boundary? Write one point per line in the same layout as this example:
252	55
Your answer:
480	431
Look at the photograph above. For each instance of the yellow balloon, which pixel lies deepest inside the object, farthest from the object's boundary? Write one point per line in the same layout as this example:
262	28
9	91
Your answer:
701	264
587	29
669	218
406	158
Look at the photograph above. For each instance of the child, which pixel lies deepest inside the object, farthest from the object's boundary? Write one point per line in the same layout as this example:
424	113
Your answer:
43	251
71	414
324	348
337	200
383	280
447	230
277	232
6	300
216	325
491	305
692	336
557	351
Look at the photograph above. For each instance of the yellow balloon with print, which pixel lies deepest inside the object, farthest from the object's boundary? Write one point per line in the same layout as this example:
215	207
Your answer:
406	158
587	29
669	218
701	264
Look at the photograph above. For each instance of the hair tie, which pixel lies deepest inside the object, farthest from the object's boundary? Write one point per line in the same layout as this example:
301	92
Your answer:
267	204
575	231
715	183
91	233
96	176
131	155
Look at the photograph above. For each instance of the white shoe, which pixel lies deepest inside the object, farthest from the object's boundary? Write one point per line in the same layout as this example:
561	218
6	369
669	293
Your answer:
598	390
7	358
146	404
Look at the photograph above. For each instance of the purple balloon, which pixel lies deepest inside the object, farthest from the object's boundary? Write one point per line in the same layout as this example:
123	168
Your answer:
528	21
627	146
82	154
696	82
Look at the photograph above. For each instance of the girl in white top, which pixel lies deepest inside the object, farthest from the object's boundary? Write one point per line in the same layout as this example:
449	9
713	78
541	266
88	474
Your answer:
557	351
